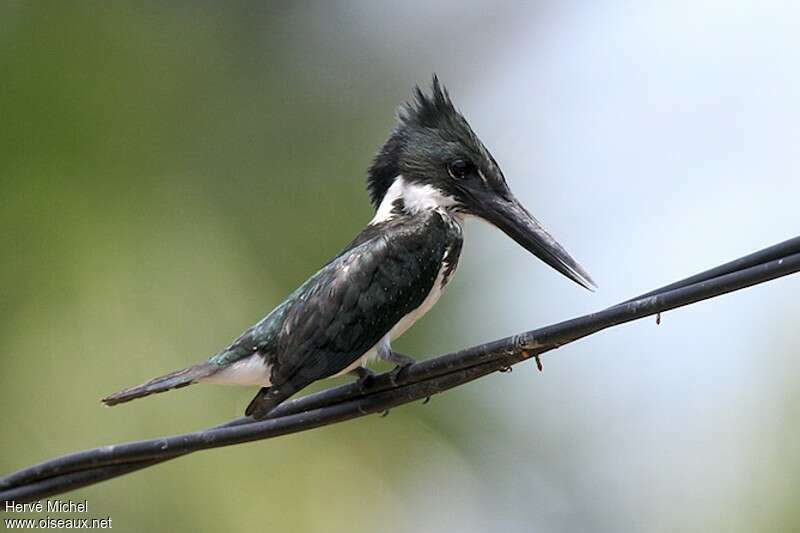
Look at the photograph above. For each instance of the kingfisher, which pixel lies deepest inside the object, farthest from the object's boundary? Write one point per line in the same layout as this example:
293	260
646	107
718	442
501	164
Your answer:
430	176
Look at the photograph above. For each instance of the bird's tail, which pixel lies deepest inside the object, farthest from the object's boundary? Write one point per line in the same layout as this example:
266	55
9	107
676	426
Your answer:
173	380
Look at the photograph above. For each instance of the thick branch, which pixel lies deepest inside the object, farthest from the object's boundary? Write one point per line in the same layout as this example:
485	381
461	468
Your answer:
419	381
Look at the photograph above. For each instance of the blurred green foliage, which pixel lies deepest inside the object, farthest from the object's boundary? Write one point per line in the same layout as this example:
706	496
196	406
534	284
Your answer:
168	174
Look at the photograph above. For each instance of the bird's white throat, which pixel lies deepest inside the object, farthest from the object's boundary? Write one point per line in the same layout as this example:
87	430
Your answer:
415	198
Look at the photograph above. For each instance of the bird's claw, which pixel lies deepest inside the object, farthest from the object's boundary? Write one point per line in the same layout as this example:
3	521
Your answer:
364	377
394	374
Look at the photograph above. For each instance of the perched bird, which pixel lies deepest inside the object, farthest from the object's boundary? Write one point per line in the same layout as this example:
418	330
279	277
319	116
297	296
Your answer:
431	175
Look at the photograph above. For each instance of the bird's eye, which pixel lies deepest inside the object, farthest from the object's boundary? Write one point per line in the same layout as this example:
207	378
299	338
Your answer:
460	168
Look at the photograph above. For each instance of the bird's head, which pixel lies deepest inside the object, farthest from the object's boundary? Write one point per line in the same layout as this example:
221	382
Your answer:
433	159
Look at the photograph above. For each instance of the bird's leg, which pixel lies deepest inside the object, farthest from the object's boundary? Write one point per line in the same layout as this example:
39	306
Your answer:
400	361
363	376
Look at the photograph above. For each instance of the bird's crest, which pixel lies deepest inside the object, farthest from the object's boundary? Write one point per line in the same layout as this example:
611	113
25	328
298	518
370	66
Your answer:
428	111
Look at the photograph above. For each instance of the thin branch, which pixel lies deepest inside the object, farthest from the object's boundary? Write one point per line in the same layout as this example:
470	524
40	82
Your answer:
419	381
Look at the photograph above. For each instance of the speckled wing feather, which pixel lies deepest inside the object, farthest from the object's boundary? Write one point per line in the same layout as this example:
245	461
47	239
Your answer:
356	299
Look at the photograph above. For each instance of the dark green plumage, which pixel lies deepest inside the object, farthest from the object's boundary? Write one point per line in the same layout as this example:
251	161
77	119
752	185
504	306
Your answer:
350	304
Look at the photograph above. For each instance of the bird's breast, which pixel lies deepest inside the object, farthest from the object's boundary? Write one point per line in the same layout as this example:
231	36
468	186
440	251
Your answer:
446	271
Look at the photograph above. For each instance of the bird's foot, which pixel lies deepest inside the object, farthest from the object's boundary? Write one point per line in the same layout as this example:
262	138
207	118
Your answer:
364	376
400	361
396	372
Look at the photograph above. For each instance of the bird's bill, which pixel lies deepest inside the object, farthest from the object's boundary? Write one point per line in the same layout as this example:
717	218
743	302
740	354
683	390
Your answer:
516	222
